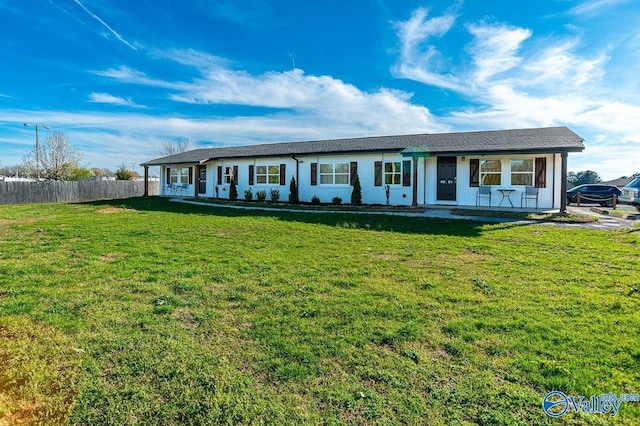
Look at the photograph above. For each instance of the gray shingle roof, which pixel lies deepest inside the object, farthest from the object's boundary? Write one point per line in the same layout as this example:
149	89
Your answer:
549	139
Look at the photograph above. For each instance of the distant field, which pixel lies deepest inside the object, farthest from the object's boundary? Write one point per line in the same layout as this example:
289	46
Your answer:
144	311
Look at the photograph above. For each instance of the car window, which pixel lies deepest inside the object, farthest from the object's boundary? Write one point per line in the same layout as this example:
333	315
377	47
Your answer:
634	183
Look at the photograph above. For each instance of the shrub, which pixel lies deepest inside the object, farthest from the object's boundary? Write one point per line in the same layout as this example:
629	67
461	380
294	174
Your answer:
274	195
248	194
293	191
123	173
356	194
336	200
315	200
261	195
233	191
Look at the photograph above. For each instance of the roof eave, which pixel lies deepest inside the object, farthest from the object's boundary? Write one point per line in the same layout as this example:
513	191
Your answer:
426	153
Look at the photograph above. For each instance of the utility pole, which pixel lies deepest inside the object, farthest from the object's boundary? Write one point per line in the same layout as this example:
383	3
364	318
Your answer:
37	147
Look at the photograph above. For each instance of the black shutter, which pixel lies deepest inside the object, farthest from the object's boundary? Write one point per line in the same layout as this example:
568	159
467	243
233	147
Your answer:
474	172
190	175
314	174
377	173
406	173
541	172
250	174
168	175
283	174
353	172
235	174
219	175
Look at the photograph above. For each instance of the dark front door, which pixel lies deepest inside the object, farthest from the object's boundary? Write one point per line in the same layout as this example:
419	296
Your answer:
202	179
446	178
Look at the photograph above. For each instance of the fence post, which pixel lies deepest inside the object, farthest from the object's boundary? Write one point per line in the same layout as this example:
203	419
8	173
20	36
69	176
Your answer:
578	198
615	201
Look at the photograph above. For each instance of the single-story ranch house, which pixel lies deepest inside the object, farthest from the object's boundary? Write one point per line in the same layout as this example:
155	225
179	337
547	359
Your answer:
522	167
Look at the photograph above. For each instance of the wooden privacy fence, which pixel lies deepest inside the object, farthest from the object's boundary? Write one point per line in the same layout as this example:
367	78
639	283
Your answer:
67	192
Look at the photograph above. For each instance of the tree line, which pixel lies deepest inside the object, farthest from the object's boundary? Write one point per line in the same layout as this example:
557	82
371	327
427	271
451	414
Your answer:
56	158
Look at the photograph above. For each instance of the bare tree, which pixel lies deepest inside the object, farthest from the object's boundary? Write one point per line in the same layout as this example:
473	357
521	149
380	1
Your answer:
102	172
175	146
56	160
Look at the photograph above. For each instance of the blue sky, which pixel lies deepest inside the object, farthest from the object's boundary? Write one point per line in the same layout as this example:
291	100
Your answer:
120	77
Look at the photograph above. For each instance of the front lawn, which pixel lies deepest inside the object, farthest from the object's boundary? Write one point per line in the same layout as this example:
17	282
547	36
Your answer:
144	311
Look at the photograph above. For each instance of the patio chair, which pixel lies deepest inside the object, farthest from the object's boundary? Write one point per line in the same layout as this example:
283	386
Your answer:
169	189
182	189
530	193
484	191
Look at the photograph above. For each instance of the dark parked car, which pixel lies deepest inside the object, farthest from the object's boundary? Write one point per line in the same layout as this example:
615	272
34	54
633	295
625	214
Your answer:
600	194
631	193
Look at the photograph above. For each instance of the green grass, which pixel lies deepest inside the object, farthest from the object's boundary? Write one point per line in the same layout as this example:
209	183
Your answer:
145	311
541	217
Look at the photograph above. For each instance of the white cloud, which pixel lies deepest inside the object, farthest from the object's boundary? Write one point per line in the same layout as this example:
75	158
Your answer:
420	61
191	57
494	49
520	80
106	98
111	30
593	7
294	96
125	74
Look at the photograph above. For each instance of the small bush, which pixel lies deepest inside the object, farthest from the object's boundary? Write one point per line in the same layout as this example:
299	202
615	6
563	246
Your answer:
123	173
274	195
233	191
336	200
261	195
315	200
293	191
356	194
248	194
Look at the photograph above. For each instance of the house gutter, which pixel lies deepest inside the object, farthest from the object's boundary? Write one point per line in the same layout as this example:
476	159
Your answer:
297	170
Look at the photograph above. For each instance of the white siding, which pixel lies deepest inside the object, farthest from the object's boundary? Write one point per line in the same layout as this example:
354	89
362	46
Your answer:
371	194
466	195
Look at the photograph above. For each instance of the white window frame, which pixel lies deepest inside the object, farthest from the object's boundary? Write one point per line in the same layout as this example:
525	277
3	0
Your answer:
389	177
268	174
525	173
485	175
178	175
329	174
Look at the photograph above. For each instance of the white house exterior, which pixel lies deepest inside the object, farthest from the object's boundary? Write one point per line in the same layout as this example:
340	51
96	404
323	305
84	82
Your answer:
429	169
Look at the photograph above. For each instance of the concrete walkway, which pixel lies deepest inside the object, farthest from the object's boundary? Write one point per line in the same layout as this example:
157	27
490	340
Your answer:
605	222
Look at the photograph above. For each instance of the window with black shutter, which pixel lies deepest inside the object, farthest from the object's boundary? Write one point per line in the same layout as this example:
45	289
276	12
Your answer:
283	174
541	172
314	174
250	174
377	173
474	172
406	173
353	168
